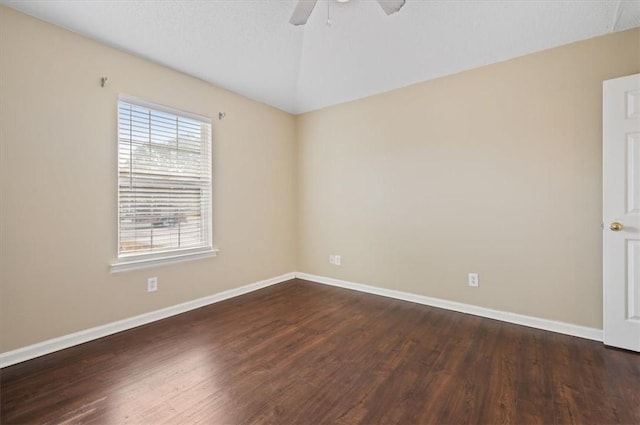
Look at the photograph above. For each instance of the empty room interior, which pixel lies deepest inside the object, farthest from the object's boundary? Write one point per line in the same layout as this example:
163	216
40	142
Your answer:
320	211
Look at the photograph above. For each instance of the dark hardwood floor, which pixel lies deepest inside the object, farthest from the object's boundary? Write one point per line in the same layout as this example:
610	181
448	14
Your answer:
304	353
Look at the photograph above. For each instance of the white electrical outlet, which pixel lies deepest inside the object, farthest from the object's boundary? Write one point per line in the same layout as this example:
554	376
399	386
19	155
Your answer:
474	280
337	260
152	284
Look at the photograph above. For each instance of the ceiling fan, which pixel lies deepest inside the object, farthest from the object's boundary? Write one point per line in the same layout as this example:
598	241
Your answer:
304	8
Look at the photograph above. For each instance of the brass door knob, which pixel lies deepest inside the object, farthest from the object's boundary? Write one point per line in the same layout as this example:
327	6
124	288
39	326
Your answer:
615	226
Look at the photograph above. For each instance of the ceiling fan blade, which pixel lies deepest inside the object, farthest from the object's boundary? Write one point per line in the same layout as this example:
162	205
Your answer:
391	6
302	12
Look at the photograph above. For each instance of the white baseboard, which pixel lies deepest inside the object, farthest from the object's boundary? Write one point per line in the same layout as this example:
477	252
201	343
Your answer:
36	350
519	319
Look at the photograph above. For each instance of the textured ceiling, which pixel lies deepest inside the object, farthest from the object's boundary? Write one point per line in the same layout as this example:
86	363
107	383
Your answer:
249	47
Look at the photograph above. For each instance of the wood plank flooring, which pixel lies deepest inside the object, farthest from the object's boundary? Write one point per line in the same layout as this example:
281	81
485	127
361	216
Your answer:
304	353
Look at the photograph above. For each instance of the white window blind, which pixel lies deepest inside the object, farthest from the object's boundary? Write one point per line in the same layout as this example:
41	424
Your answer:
164	181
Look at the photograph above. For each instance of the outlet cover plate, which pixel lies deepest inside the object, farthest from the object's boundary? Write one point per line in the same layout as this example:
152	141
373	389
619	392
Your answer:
152	284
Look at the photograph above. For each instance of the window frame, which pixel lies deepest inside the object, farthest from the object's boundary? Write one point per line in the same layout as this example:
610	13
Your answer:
132	261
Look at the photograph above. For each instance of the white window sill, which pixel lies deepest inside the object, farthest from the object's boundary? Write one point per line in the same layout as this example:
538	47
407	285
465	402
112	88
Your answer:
126	265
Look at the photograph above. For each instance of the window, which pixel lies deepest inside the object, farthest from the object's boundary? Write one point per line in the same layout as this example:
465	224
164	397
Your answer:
164	183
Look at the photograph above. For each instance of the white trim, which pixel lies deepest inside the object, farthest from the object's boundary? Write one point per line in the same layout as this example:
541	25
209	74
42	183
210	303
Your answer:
36	350
519	319
124	265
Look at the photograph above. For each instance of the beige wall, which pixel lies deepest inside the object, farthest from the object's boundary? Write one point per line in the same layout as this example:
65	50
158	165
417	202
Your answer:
495	170
58	185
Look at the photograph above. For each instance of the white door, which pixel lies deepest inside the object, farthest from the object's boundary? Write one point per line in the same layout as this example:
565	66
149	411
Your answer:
621	212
